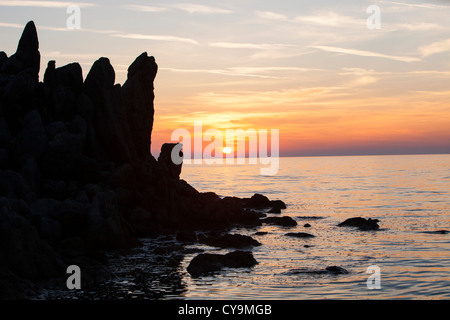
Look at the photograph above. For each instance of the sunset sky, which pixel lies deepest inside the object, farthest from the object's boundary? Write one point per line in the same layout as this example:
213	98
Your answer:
312	69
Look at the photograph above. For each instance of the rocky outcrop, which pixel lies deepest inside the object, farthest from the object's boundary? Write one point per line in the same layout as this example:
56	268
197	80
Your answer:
76	172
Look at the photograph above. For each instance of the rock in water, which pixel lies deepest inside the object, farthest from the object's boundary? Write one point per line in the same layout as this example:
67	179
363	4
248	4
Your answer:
207	263
336	270
299	235
361	223
281	221
230	241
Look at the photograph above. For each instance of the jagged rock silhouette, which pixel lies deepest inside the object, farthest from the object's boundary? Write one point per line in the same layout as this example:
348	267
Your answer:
76	172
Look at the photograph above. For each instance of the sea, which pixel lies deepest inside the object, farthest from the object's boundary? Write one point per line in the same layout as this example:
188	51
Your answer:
408	258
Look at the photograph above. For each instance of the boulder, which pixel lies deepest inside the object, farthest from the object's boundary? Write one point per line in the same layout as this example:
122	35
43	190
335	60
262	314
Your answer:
206	263
280	221
170	168
274	210
361	223
237	241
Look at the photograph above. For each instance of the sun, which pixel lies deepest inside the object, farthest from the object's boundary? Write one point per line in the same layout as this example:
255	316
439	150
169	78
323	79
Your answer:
226	150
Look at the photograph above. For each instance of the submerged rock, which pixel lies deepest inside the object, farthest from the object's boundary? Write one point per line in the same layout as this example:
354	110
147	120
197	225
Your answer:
336	270
299	235
332	270
207	263
361	223
280	221
437	232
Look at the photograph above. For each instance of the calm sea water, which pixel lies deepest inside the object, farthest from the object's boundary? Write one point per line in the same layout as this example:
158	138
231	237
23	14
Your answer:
410	195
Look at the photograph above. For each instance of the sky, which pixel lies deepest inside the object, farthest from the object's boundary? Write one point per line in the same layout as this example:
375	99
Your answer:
318	71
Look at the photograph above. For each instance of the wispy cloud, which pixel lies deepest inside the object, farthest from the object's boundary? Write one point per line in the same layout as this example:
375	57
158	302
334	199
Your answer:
435	47
416	5
271	15
422	26
331	19
363	53
44	4
258	72
198	8
257	46
138	36
21	26
141	8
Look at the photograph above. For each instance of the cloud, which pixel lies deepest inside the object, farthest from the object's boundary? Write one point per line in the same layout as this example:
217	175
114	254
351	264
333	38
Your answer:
331	19
422	26
435	47
271	15
44	4
257	72
138	36
416	5
363	53
239	45
136	7
198	8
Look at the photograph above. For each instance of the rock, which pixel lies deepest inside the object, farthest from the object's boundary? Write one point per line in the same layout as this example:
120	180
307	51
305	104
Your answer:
274	210
361	223
50	74
237	241
138	99
280	221
261	233
165	160
187	236
258	201
109	119
307	225
3	58
27	56
207	263
21	248
336	270
309	217
278	204
106	228
437	232
299	235
33	142
13	186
